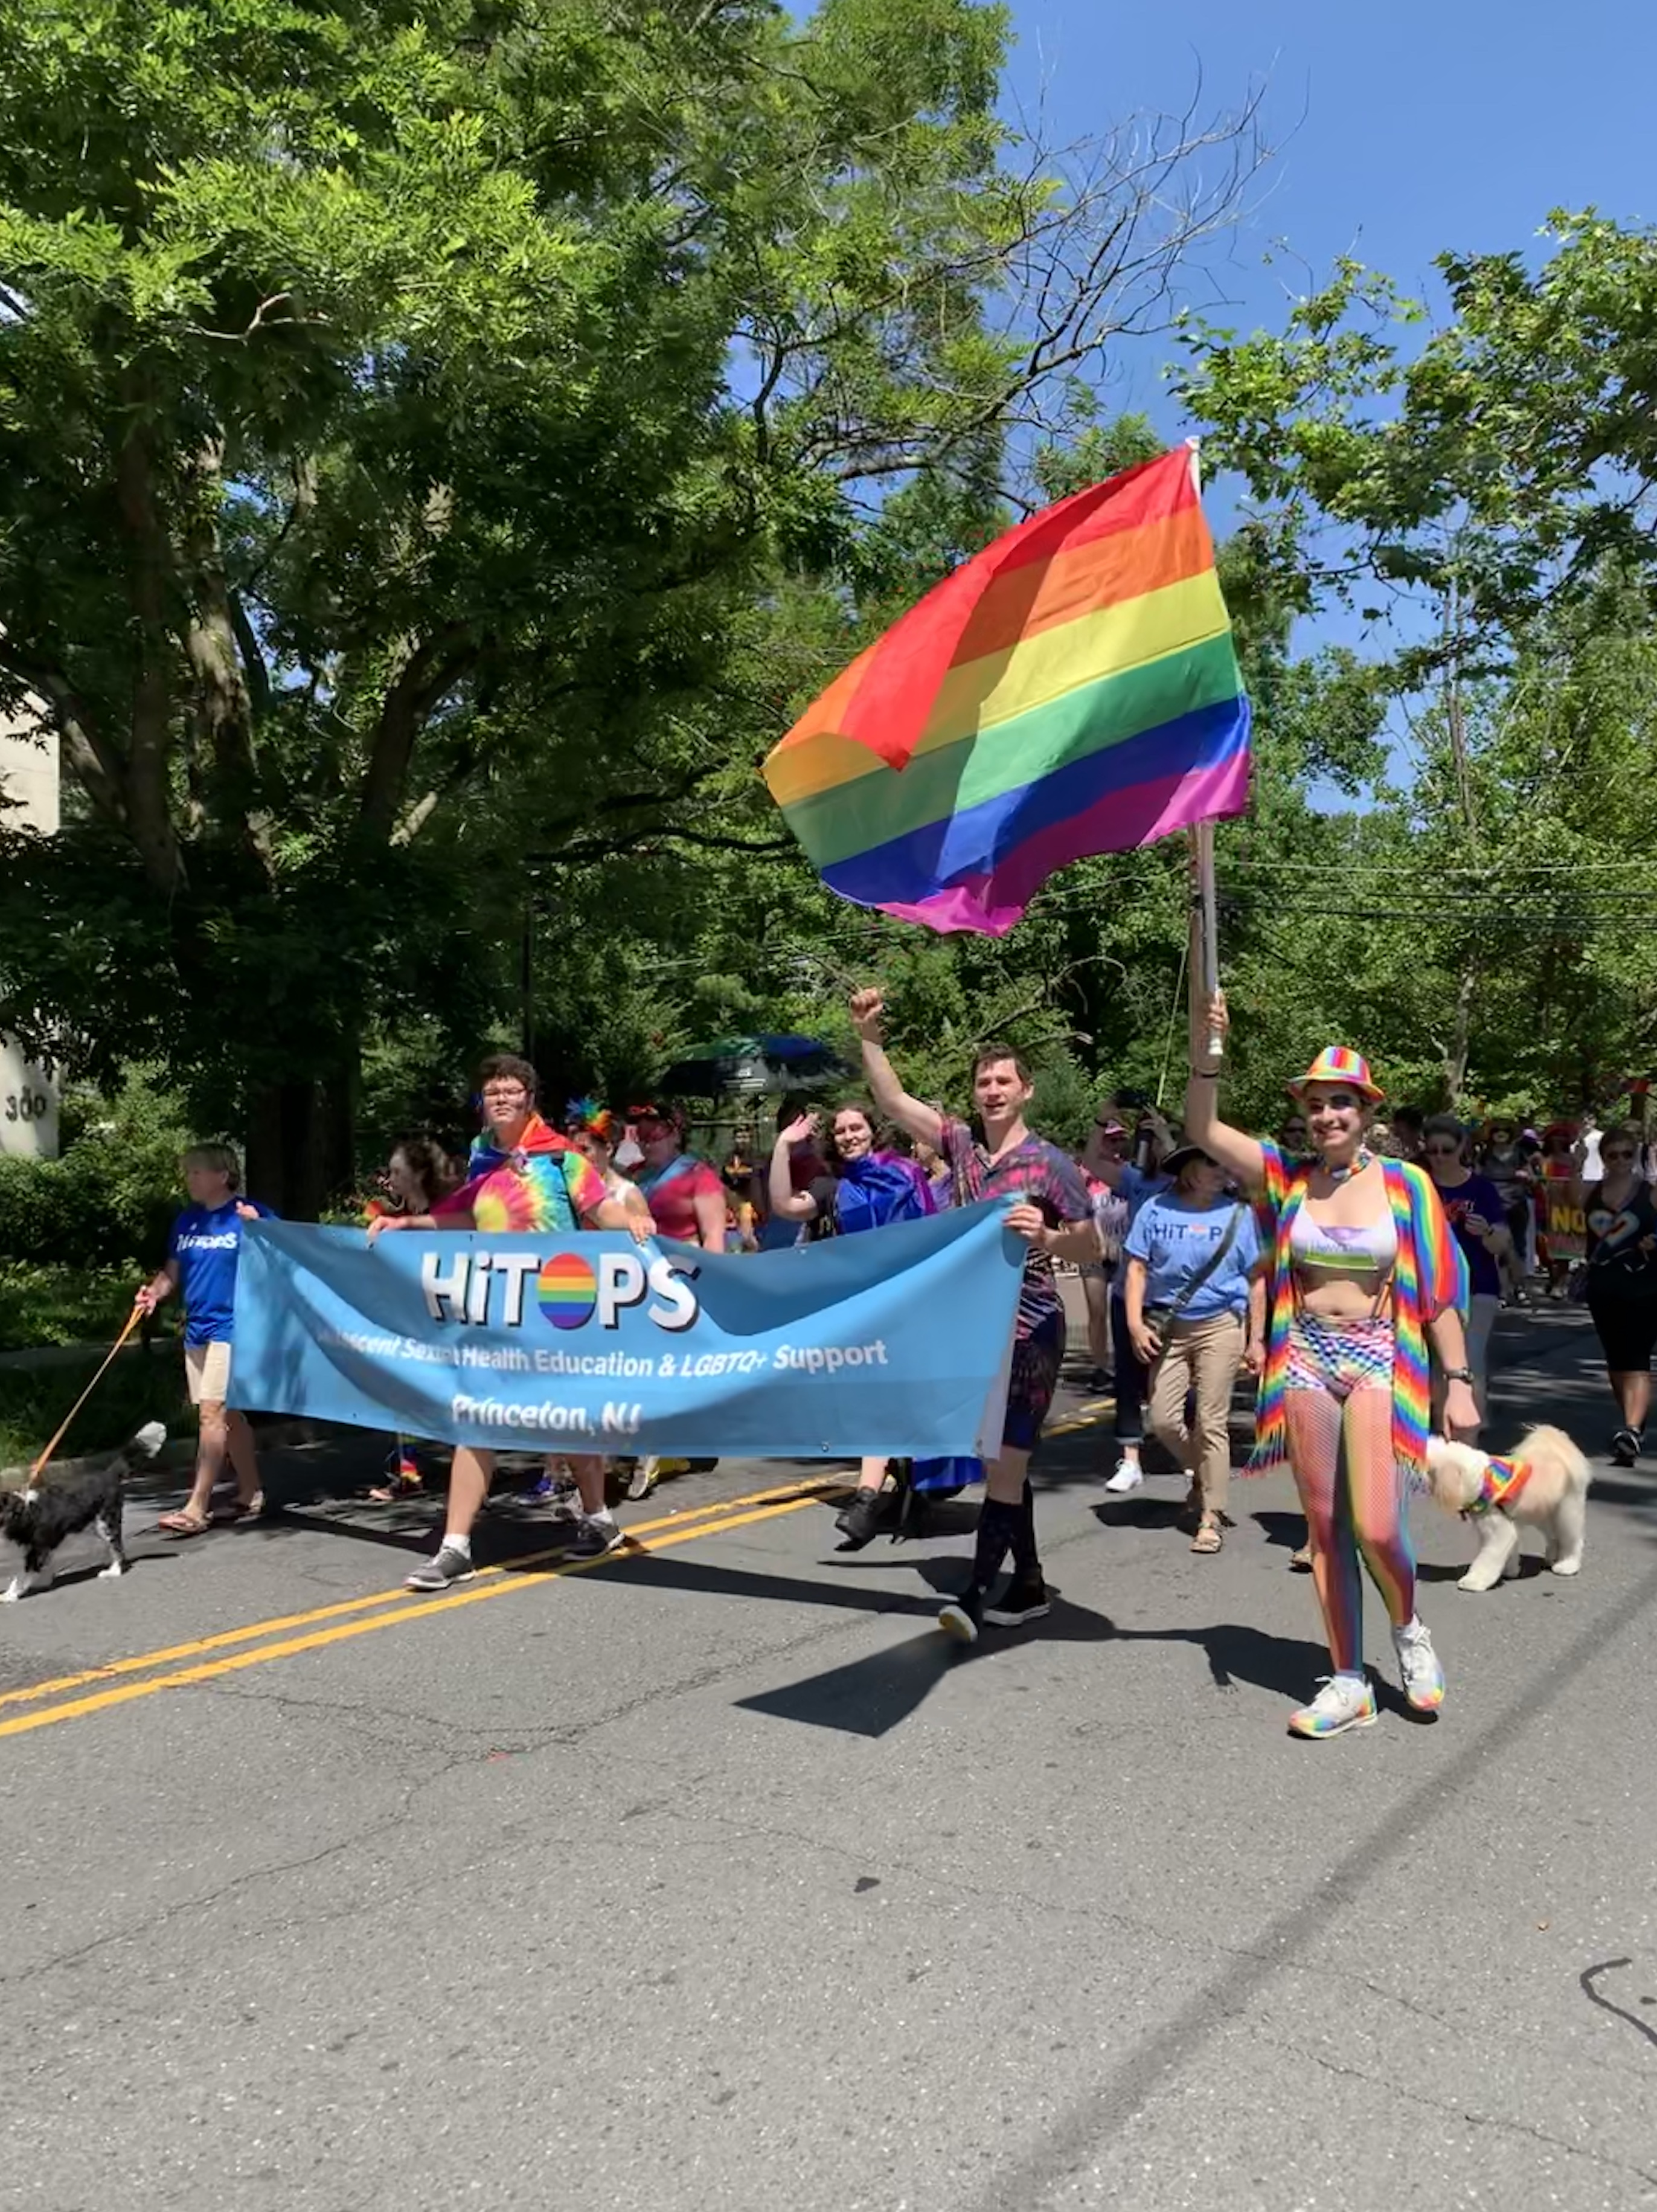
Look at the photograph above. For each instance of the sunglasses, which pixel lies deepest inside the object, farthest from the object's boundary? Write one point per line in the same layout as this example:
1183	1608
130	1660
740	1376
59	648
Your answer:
1442	1152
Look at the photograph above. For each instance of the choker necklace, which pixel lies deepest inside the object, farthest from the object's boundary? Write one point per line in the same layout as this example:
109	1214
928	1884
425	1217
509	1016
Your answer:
1364	1158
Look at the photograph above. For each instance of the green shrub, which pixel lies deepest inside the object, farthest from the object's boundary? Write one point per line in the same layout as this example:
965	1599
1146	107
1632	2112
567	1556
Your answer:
57	1213
51	1304
108	1201
140	1387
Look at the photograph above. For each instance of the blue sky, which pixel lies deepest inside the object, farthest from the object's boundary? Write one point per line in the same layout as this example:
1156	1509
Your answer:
1398	134
1402	131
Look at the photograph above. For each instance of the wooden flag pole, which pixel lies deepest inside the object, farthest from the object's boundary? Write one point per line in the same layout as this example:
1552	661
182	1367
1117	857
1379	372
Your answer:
1202	847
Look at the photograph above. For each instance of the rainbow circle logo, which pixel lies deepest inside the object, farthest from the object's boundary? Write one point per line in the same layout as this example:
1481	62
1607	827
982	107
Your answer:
567	1289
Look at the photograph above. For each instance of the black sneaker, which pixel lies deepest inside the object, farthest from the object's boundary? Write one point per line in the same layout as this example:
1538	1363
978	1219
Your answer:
1024	1599
857	1520
598	1535
452	1565
963	1617
1625	1446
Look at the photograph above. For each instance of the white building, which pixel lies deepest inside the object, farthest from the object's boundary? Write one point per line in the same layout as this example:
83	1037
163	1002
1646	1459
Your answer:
28	1094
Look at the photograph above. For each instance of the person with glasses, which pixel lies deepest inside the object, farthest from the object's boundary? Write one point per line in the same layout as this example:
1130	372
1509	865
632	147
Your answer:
1620	1283
1506	1163
684	1194
522	1177
1472	1206
1363	1276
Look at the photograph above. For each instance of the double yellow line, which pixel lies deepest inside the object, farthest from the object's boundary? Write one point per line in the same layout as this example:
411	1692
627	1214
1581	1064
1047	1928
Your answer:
109	1685
399	1607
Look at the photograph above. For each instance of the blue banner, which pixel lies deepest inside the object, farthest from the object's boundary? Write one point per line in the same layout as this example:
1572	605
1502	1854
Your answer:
896	1341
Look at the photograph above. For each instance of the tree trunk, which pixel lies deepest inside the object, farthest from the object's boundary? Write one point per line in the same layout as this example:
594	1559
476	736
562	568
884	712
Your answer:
302	1141
1455	1060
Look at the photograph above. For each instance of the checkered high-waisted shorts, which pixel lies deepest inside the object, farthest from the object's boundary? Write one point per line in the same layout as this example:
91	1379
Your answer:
1340	1356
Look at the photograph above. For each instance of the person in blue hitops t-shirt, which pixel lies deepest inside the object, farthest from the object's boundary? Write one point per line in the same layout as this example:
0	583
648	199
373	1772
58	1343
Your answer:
1195	1297
201	1265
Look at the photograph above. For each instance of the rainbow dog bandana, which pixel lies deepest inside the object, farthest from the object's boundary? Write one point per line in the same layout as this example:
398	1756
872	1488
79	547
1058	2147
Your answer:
1503	1480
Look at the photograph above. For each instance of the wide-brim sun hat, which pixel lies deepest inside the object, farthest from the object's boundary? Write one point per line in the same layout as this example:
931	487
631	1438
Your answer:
1182	1156
1338	1064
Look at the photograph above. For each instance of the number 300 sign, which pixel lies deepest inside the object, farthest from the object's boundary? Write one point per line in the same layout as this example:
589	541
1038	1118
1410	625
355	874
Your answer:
26	1106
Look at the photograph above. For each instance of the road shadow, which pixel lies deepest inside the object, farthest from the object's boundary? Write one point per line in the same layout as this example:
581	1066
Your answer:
66	1577
1136	1511
1283	1532
870	1696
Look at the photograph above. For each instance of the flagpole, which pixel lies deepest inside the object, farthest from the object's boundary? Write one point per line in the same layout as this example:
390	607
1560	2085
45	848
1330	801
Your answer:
1202	848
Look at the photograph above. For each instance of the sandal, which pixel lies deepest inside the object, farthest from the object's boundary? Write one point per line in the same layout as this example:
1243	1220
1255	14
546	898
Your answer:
400	1485
1300	1562
1209	1537
184	1524
240	1509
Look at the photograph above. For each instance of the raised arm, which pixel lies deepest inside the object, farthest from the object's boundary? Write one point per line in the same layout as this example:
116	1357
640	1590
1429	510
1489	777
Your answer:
891	1099
786	1201
1238	1152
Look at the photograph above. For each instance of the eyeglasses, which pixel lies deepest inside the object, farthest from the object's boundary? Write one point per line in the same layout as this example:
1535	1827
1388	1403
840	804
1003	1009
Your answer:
1620	1153
501	1093
1442	1152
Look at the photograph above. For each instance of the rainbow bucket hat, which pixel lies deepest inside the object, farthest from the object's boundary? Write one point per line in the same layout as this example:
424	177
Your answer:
1337	1064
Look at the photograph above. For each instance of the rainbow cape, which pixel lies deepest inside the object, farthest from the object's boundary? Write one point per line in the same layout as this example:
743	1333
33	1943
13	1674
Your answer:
1072	689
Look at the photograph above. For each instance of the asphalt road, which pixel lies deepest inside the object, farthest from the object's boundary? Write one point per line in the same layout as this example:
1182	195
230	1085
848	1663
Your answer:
713	1876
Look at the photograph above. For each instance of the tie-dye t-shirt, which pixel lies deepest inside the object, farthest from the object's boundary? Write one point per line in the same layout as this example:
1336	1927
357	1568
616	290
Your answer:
1035	1172
544	1183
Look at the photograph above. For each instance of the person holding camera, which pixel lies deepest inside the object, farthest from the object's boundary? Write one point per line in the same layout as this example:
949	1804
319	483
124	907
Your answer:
1195	1301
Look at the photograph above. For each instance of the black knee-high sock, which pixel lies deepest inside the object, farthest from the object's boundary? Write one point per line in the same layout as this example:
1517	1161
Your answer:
1025	1563
1000	1527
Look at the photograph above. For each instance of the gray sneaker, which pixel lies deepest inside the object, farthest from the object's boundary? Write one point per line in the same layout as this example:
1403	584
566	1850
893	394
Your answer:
599	1534
452	1565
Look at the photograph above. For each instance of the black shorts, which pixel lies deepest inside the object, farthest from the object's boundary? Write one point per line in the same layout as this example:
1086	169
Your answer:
1627	1333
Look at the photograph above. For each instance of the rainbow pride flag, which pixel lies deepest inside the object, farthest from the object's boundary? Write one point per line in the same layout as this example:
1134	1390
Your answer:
1073	690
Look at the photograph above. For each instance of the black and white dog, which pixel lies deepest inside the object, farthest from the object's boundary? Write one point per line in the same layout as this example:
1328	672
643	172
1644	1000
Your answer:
42	1518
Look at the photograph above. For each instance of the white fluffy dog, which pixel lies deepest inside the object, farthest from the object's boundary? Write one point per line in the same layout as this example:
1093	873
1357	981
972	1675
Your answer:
1544	1485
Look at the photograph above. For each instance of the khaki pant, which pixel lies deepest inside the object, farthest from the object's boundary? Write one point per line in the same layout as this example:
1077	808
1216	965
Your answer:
1201	1357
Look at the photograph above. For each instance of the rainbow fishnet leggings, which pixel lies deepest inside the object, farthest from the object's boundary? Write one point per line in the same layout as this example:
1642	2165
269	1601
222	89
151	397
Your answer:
1340	1395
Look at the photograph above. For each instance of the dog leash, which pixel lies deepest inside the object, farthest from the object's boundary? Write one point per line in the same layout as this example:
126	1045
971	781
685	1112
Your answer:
132	1321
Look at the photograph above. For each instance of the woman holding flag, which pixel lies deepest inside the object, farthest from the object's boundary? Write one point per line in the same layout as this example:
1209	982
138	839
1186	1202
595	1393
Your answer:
1363	1274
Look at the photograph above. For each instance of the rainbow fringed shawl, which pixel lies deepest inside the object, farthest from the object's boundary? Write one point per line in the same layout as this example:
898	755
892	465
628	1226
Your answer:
1428	1276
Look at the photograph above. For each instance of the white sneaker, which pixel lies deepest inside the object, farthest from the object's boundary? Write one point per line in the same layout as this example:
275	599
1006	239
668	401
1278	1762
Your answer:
1419	1664
1346	1701
1128	1476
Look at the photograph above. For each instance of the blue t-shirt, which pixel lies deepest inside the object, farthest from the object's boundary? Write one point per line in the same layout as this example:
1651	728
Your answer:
1480	1196
1139	1188
1175	1240
205	1242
